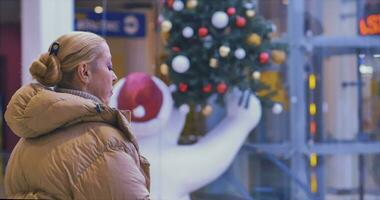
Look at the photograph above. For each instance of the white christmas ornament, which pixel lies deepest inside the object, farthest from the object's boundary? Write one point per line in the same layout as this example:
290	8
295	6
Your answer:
187	32
277	108
139	112
219	19
256	75
180	64
240	53
224	51
178	5
248	5
250	13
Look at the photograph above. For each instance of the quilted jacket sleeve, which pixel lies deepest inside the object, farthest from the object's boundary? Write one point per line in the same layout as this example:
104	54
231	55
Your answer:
113	175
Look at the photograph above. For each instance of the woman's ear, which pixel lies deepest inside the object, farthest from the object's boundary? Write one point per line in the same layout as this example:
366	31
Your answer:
83	73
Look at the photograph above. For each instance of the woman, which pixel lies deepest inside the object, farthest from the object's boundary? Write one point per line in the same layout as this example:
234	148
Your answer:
73	146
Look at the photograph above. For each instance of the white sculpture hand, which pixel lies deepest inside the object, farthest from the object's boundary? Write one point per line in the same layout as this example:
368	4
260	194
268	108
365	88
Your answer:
244	111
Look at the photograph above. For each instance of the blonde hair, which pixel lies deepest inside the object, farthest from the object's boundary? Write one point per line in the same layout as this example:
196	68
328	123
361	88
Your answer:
75	47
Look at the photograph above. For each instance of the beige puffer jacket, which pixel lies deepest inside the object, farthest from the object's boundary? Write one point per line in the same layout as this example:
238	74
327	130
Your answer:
71	148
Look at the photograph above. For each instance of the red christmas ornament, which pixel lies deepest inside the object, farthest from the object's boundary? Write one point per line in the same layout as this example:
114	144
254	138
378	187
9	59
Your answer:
176	49
231	11
207	88
221	88
202	32
240	22
183	87
170	3
264	57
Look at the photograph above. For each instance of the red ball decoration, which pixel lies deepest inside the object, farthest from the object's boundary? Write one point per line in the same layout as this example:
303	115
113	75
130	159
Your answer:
202	32
221	88
176	49
183	87
231	11
170	3
264	57
240	22
207	88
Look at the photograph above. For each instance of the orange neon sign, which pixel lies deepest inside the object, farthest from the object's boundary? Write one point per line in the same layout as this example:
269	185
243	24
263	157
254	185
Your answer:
370	25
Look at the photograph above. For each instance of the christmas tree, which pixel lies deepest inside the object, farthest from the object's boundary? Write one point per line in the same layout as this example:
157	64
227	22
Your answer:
215	45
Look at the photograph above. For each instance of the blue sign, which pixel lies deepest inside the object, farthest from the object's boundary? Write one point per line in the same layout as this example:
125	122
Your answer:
111	23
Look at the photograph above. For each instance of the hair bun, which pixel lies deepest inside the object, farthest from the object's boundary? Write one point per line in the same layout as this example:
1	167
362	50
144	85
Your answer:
46	70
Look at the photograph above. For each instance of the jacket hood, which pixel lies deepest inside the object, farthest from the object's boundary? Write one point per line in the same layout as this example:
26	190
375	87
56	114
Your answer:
35	110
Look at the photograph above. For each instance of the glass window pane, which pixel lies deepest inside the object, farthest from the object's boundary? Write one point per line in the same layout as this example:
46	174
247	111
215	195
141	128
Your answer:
275	11
341	18
347	176
369	68
266	181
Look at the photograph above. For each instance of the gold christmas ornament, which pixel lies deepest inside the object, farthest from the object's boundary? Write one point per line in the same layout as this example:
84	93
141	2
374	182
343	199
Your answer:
164	37
224	51
164	69
166	26
207	110
250	13
190	4
278	56
213	63
256	75
254	39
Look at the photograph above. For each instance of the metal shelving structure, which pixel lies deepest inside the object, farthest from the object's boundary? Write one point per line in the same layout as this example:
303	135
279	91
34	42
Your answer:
298	148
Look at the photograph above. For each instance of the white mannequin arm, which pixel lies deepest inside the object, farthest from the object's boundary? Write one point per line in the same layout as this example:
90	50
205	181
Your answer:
198	164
